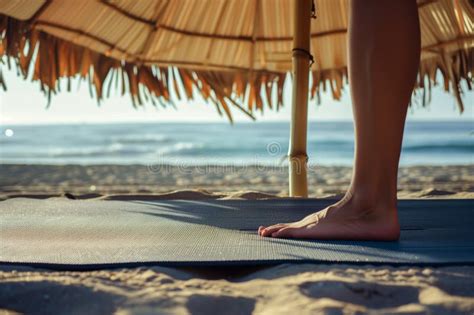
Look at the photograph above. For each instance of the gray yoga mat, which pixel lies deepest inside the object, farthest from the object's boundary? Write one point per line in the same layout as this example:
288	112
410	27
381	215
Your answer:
94	234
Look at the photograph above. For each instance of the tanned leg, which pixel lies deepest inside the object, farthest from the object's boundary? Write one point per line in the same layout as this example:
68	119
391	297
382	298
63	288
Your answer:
384	53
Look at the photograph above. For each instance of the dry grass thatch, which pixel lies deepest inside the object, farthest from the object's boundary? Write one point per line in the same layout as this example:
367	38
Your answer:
234	52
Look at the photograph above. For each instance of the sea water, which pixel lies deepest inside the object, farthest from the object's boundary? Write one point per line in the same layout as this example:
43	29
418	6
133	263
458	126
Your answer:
257	143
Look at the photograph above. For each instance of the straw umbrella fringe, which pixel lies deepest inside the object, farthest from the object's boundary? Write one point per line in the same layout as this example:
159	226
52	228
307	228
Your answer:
47	59
50	59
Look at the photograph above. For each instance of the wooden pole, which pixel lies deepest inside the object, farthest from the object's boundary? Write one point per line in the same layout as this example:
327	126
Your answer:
298	158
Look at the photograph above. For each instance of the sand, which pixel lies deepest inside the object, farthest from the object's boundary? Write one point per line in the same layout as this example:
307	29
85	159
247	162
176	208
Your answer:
282	289
102	181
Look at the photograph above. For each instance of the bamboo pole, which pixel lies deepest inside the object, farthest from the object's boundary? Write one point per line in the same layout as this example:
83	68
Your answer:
297	155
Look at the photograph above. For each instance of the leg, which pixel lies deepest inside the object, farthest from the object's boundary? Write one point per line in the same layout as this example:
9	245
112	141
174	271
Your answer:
384	51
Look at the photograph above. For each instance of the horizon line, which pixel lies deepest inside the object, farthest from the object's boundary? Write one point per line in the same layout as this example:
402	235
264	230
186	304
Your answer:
223	122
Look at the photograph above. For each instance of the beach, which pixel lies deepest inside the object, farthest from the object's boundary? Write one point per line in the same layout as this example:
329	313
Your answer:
214	181
226	97
308	288
305	288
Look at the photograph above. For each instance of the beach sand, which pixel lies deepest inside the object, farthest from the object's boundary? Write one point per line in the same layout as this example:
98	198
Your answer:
210	181
281	289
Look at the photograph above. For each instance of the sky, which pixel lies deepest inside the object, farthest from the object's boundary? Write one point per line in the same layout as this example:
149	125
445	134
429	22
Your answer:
23	103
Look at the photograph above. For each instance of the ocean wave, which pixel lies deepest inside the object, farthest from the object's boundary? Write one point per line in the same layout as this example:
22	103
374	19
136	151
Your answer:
141	139
182	148
115	149
445	147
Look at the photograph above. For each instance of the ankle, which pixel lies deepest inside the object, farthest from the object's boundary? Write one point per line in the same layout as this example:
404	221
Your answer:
371	199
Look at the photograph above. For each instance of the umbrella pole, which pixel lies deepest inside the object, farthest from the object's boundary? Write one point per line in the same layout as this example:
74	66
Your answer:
297	155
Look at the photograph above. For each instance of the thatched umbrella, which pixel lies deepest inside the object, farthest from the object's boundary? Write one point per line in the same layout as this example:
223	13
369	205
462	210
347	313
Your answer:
236	53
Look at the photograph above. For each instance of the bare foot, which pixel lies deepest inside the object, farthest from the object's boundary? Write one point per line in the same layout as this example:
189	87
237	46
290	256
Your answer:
345	220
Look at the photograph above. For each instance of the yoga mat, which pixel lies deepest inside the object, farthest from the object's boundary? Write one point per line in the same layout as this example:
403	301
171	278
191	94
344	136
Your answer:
84	234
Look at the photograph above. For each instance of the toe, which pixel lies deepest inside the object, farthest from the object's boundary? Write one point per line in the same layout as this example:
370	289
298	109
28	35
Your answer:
301	231
271	229
285	232
260	228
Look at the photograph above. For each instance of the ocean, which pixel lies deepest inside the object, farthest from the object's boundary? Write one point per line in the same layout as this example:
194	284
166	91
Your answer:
258	143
